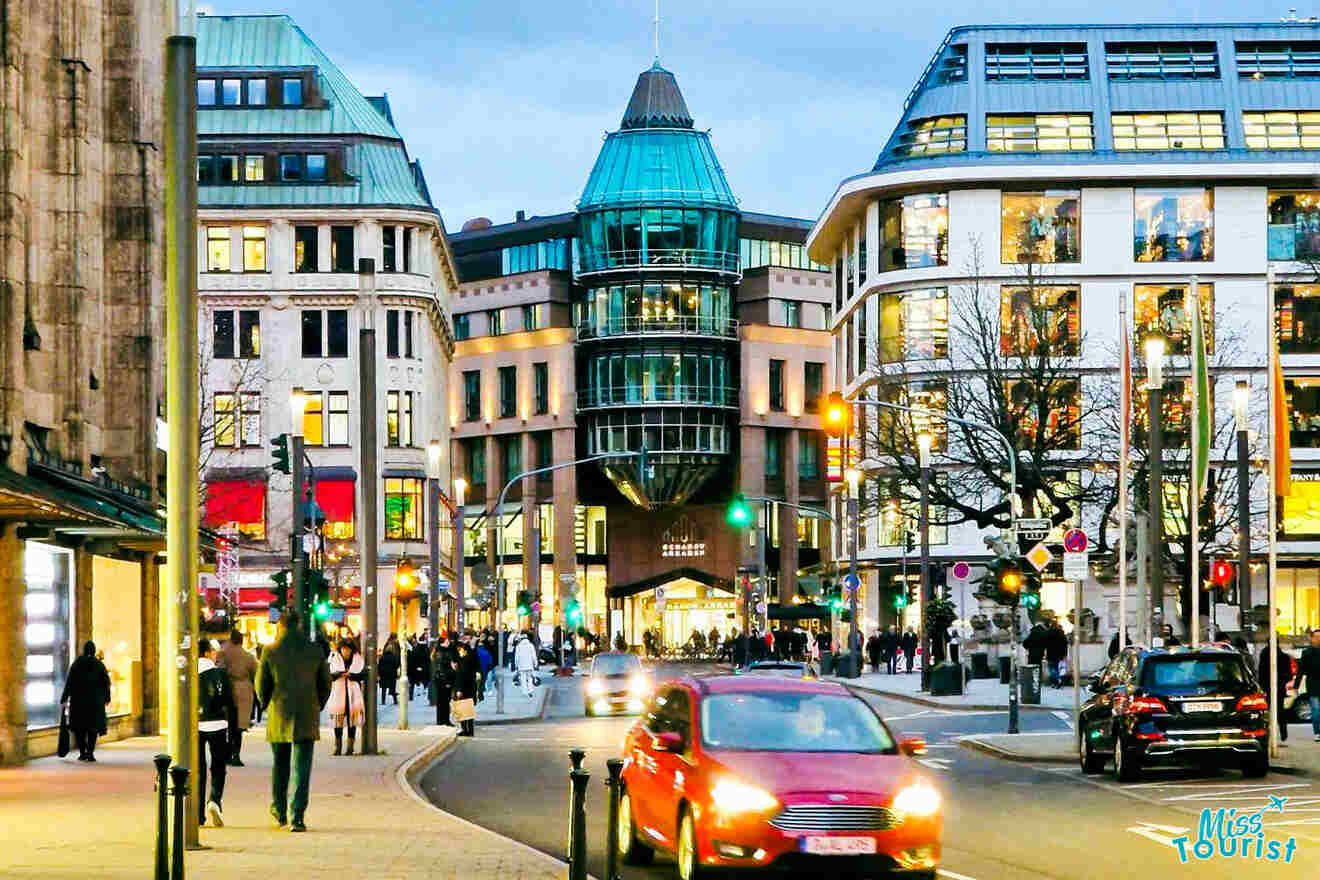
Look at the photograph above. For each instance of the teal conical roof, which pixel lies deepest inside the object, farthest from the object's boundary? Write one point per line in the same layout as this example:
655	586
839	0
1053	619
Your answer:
657	158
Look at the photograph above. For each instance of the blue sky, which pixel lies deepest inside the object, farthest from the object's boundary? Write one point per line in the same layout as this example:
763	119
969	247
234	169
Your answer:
505	101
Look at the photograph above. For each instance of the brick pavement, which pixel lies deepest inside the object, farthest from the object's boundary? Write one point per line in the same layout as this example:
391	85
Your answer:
63	819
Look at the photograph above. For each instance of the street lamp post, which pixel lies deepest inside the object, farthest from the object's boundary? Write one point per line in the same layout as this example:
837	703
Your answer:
924	442
434	453
1241	393
854	485
460	576
1155	506
297	409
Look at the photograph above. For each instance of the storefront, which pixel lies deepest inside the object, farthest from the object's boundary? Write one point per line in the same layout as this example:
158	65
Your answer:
672	607
49	632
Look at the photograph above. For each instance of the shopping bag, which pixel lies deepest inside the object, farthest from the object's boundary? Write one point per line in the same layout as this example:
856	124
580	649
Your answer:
463	710
63	748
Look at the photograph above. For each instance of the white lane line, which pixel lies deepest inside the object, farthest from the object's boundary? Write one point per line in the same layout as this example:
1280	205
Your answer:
921	714
952	875
1236	792
935	763
1150	831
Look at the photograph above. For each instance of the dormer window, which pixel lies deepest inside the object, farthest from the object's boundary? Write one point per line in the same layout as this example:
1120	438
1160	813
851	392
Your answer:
292	92
231	92
205	92
256	93
316	166
291	167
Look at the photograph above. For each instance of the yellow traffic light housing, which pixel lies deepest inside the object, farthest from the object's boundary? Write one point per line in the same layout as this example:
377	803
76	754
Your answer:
837	415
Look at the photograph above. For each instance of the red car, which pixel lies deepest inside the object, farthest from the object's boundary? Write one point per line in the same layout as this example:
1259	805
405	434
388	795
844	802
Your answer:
789	775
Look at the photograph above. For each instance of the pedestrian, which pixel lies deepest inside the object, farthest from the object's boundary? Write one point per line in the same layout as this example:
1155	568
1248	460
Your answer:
873	650
347	707
486	661
890	647
467	674
86	694
241	667
293	685
442	678
419	666
1308	668
1278	682
387	667
216	709
1113	643
1056	651
909	645
1035	643
256	704
524	655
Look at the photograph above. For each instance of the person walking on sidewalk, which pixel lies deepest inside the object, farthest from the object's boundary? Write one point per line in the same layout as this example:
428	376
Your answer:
293	685
1282	669
524	658
388	669
873	650
1308	667
1056	649
442	679
241	667
418	673
216	713
347	672
889	649
909	644
86	694
467	674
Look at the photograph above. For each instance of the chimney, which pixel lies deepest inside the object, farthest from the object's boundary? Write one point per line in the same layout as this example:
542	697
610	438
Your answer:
520	216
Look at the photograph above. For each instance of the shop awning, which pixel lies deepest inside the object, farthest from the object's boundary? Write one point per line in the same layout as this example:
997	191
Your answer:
336	499
235	501
618	591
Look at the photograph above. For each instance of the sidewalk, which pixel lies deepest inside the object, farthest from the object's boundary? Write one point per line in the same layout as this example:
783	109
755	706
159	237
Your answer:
980	693
63	819
517	708
1301	754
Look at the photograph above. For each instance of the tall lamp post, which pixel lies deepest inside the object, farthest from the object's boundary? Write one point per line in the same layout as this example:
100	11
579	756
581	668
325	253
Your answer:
297	410
1155	527
434	453
924	443
854	476
460	488
1241	394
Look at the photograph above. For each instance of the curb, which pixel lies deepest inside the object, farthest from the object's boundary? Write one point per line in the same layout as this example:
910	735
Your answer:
936	704
539	715
973	744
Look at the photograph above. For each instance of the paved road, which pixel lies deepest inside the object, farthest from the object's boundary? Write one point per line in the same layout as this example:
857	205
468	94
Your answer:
1003	820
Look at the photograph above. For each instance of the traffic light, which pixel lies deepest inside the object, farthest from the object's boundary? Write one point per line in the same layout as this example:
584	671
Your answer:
573	612
280	453
1221	573
281	581
524	603
739	514
835	598
405	576
1011	582
837	415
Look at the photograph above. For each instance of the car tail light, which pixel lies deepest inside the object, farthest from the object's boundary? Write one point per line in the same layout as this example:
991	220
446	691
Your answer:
1253	701
1153	735
1255	733
1145	705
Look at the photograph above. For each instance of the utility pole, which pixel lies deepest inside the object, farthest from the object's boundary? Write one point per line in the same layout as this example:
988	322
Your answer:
1241	393
924	441
434	453
297	405
1155	506
368	487
182	406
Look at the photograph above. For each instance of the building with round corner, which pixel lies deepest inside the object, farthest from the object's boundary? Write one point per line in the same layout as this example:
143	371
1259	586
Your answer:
1114	165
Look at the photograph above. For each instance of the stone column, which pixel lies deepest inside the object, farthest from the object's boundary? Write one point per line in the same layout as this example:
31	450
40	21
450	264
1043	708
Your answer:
82	599
13	649
788	517
151	704
565	500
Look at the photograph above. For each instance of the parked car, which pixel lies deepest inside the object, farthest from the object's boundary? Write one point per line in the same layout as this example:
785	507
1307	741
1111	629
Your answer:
765	772
1174	706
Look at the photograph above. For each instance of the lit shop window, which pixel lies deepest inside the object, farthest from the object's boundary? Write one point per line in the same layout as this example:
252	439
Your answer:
1303	408
938	134
914	232
914	325
1168	131
47	630
1297	313
1039	133
1162	308
1301	508
1030	316
1282	130
403	509
1294	225
1173	225
1041	227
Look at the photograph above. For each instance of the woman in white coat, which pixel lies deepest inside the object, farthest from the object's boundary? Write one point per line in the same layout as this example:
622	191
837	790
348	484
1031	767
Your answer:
524	658
346	706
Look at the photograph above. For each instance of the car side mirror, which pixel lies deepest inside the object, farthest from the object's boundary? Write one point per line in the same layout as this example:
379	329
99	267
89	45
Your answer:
913	748
669	741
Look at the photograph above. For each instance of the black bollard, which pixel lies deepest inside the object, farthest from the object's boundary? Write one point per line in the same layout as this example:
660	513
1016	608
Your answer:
180	792
575	757
615	767
577	829
162	817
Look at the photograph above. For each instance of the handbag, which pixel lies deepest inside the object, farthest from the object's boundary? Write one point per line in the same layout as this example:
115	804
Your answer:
463	710
63	748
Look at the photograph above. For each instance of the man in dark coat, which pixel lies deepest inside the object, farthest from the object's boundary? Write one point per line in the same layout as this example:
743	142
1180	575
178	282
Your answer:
909	644
216	711
1056	649
387	670
1282	670
419	672
1308	667
466	681
1035	643
873	650
889	647
87	693
442	679
293	685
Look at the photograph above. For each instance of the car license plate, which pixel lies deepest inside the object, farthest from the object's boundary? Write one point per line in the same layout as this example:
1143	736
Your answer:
1203	707
839	846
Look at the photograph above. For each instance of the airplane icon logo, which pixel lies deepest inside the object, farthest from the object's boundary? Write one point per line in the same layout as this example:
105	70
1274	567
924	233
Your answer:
1276	803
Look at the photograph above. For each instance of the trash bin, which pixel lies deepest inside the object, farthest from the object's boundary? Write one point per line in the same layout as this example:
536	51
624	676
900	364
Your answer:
946	679
826	663
1005	669
845	666
1029	685
981	665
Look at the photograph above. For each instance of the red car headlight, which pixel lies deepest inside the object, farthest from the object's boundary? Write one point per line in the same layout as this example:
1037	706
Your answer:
918	799
734	797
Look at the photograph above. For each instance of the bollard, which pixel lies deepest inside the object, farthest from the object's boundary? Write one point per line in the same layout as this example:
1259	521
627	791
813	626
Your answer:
615	768
577	829
162	817
575	757
180	792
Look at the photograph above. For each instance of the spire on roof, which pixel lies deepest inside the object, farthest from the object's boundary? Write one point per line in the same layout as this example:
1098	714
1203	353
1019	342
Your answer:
656	102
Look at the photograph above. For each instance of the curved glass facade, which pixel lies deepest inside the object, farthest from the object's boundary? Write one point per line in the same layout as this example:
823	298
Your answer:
705	238
656	307
657	374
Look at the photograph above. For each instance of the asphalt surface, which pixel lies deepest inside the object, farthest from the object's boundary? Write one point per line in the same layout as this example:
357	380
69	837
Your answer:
1003	820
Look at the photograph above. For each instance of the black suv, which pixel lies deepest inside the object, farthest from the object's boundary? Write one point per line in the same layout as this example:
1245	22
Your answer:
1174	706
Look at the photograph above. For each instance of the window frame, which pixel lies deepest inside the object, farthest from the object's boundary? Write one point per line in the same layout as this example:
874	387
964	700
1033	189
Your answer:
337	419
1127	128
472	395
1032	133
301	98
410	489
249	419
224	430
215	237
507	379
775	381
541	388
311	258
254	249
291	167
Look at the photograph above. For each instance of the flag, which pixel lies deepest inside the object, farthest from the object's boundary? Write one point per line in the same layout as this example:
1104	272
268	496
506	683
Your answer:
1204	402
1281	460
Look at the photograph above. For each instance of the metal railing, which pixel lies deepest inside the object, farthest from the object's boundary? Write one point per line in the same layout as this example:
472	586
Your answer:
633	258
632	395
687	325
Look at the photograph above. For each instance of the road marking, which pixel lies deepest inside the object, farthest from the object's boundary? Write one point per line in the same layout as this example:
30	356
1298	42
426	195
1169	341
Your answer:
920	714
1238	792
936	763
952	875
1149	831
942	745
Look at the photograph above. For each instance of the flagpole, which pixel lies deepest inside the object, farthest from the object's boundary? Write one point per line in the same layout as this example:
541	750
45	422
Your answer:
1125	408
1272	565
1194	483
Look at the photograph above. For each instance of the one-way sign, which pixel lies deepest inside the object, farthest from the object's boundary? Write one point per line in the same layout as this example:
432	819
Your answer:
1033	529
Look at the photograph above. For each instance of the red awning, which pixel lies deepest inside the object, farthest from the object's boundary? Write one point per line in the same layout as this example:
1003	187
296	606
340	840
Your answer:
235	501
336	499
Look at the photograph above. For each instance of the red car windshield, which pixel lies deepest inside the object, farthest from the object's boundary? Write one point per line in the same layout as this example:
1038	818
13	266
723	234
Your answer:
792	722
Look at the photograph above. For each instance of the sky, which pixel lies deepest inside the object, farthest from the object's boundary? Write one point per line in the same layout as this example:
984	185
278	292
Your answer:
505	102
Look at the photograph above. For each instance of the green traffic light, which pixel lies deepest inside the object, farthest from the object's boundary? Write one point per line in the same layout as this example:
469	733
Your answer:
900	602
740	514
322	610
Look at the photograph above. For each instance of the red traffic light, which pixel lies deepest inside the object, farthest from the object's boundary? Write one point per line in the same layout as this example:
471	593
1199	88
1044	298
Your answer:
1221	573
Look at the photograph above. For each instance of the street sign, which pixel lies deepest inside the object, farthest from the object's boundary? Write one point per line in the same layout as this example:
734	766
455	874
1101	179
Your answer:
566	577
851	582
1039	557
1033	529
760	608
660	599
1074	541
1075	566
961	571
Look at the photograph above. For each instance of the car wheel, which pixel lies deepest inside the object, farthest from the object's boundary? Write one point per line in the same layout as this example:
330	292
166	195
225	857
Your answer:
1091	762
1127	766
687	863
631	850
1257	766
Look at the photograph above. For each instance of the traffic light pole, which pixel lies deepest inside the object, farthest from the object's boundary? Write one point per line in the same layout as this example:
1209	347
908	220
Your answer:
296	537
370	466
927	592
855	664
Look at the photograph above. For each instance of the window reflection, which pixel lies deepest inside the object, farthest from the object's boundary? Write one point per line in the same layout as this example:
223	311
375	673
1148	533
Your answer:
1301	510
1297	312
1303	408
1041	227
899	430
1060	401
658	308
667	429
658	237
1176	409
1294	225
663	375
1163	308
1035	314
914	232
1173	225
914	325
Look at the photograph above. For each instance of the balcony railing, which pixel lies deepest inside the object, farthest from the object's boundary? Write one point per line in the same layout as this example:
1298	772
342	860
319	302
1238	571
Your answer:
632	258
678	325
633	395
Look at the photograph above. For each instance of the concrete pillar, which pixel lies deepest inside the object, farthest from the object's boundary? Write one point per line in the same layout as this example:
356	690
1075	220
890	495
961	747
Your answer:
566	497
82	598
788	516
494	482
150	594
13	649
